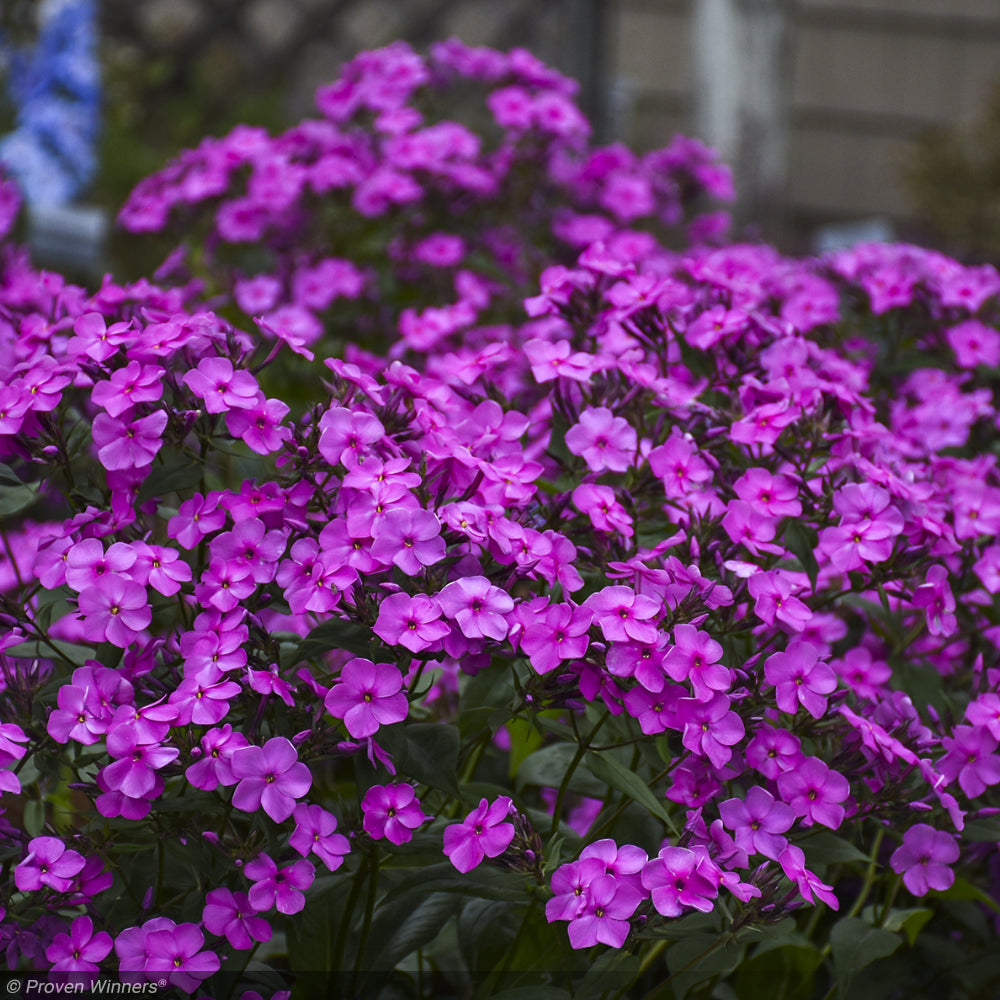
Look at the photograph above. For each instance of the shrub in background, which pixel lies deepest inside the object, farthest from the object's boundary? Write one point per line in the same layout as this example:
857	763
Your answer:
637	637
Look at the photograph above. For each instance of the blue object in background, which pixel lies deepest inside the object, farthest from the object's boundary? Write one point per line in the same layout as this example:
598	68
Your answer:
56	90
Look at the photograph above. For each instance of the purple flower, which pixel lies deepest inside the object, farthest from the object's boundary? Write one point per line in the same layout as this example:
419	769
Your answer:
48	863
231	915
623	615
815	792
409	539
81	949
221	387
758	822
923	859
477	607
603	918
177	953
484	833
115	610
133	445
280	888
710	728
679	877
604	441
410	621
556	633
800	679
366	696
392	812
316	833
270	777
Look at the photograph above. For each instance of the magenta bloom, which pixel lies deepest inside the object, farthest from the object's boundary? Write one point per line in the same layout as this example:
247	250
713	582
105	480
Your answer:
558	632
231	915
81	949
316	833
280	888
392	812
221	387
773	599
127	386
923	859
678	877
348	434
114	610
694	657
623	615
815	792
710	728
366	696
800	679
758	822
48	863
413	622
477	607
609	902
484	833
603	440
270	777
409	539
971	759
177	953
134	445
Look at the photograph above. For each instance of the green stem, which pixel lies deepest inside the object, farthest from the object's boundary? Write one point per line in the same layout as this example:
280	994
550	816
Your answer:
367	924
581	750
345	917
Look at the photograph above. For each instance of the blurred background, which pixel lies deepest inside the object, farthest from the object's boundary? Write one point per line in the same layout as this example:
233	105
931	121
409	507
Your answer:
843	119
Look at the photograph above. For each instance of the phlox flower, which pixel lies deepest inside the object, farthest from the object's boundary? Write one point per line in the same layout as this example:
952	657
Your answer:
81	949
970	757
176	953
679	877
477	607
556	633
221	387
367	695
348	434
605	512
213	768
270	777
623	615
709	727
410	621
974	344
603	918
316	833
409	539
799	678
793	863
935	596
694	657
772	751
259	427
569	885
604	441
774	495
923	859
128	386
280	888
758	822
484	833
815	792
48	863
230	914
392	812
128	445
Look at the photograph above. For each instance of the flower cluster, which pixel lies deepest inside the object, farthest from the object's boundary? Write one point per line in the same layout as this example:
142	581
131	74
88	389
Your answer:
626	614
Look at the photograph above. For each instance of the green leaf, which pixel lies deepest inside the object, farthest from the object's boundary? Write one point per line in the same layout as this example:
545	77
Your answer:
699	958
618	776
15	496
426	751
335	634
547	768
826	848
401	927
963	889
481	883
34	817
179	475
612	971
37	649
982	830
856	944
802	540
525	739
910	921
534	993
781	968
